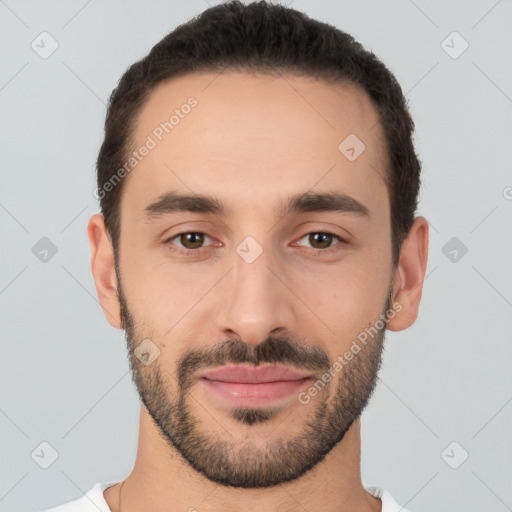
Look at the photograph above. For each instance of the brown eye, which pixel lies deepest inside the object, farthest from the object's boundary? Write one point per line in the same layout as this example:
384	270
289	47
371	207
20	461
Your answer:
321	240
191	240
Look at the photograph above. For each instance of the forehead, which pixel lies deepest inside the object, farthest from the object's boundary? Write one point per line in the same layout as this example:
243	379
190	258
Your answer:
232	133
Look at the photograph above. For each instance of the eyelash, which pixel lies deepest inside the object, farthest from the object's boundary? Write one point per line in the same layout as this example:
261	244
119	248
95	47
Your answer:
199	250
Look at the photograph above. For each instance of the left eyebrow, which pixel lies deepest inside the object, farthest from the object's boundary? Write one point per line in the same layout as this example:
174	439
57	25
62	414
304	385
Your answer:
325	202
173	202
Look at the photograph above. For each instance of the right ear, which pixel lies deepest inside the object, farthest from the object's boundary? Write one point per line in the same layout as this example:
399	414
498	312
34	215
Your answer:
103	269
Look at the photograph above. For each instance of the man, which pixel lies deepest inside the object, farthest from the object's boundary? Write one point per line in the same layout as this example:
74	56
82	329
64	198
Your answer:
258	185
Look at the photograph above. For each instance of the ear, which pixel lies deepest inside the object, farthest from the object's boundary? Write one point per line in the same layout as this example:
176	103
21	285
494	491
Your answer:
409	275
103	269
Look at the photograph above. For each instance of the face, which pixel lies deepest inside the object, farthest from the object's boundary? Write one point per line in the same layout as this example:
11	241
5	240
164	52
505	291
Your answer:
244	302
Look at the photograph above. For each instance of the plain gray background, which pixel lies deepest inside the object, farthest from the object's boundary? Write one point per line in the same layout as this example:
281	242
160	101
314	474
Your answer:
64	373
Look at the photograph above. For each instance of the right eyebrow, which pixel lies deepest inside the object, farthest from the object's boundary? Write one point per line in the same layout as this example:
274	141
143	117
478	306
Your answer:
172	202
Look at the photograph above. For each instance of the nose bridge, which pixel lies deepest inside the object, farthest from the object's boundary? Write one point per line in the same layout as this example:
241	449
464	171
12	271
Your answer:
255	301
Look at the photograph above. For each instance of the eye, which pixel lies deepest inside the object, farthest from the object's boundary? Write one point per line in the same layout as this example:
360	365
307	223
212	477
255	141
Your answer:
194	241
191	240
321	240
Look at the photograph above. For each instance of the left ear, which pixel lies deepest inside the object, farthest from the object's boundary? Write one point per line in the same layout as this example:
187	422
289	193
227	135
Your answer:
409	275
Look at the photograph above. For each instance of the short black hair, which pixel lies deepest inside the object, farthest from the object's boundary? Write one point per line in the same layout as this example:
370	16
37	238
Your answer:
267	38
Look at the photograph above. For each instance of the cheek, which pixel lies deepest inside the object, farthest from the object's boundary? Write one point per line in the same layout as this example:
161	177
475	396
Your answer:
165	300
155	282
347	297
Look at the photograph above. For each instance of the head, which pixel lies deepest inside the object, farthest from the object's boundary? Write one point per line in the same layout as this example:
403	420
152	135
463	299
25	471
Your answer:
269	220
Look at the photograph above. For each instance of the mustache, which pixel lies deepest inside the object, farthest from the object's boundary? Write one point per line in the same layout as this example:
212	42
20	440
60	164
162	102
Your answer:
276	350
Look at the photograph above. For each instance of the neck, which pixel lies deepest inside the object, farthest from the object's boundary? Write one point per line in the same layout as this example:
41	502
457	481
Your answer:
161	477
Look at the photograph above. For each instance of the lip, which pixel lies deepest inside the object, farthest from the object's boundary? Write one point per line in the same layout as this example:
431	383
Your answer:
250	374
253	386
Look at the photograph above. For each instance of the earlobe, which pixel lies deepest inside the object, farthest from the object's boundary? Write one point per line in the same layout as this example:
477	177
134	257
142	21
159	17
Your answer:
103	269
409	275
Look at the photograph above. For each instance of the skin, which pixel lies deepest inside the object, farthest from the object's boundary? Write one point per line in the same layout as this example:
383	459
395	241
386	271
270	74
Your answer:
253	141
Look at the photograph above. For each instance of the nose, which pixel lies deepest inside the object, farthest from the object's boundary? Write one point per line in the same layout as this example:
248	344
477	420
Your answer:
255	301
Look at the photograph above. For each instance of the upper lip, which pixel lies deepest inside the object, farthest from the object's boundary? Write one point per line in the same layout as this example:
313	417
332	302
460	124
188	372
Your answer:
251	374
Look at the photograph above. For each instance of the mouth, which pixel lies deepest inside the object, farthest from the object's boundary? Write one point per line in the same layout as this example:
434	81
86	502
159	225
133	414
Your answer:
246	385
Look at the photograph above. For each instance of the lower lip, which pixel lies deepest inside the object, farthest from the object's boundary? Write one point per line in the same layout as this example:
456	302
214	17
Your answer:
263	393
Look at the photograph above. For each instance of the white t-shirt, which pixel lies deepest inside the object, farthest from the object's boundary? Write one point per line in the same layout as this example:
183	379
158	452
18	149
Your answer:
94	501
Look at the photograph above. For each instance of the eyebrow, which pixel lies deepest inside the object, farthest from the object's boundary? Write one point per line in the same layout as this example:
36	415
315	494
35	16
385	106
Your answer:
172	202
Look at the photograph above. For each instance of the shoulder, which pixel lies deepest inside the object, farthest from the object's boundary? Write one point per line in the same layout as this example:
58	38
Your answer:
92	501
388	502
